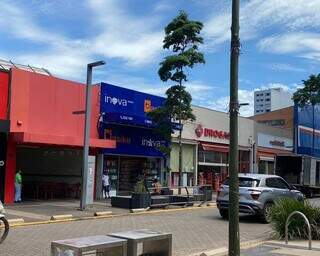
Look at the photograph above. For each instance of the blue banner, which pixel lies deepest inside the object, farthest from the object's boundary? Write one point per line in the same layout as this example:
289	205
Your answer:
125	106
133	140
307	124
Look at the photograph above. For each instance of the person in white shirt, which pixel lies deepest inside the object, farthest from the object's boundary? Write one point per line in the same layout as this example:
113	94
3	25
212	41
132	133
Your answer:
105	185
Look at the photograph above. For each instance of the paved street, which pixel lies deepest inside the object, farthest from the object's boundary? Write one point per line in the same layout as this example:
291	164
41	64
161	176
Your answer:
193	231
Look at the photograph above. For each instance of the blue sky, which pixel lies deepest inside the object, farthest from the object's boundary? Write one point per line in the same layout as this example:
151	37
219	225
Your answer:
280	42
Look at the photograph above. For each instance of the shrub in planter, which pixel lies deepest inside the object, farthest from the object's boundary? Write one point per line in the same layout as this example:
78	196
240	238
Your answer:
140	196
297	228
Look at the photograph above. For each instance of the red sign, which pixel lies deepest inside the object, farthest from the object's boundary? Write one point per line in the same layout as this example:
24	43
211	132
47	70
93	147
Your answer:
211	133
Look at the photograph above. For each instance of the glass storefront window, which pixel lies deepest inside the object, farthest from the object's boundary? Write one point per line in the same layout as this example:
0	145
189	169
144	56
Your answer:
224	158
201	156
212	157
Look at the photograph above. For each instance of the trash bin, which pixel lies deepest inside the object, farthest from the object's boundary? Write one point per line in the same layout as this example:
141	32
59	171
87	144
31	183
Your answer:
146	242
207	193
97	245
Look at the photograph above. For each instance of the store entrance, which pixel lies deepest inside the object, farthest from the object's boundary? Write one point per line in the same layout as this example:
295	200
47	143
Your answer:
49	173
124	172
3	153
210	175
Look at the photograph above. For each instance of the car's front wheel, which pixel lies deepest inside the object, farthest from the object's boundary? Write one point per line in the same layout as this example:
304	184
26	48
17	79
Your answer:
265	216
224	213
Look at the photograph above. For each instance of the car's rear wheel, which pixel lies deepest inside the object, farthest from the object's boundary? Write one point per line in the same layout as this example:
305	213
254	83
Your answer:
265	216
224	213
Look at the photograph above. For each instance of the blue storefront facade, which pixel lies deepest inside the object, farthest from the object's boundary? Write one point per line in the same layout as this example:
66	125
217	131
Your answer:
124	119
307	127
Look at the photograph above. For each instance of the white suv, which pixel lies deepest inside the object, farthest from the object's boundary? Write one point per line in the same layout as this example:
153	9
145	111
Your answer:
257	193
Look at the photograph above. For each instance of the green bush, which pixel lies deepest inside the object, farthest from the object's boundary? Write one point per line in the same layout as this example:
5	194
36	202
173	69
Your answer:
297	227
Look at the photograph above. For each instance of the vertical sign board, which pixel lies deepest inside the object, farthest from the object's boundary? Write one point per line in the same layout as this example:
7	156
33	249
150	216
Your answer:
90	183
307	125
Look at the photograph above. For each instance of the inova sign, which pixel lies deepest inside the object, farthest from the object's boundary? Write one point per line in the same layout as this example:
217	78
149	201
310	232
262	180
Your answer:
117	101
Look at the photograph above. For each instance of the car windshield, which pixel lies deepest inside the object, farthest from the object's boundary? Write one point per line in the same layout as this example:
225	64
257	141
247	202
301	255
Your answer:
244	182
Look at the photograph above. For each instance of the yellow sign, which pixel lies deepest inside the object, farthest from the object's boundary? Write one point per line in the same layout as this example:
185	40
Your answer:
147	106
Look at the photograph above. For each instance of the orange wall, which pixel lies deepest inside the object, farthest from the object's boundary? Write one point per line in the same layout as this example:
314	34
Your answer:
44	105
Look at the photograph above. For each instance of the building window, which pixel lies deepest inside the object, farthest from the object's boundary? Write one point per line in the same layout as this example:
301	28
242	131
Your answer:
268	99
278	122
267	110
213	157
268	94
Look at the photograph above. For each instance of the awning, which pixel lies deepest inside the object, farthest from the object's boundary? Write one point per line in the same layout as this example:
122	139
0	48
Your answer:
216	148
220	148
35	138
266	158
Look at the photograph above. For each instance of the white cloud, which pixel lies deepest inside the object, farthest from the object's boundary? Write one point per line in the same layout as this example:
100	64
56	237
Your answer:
301	44
259	15
199	91
247	96
21	25
131	39
285	67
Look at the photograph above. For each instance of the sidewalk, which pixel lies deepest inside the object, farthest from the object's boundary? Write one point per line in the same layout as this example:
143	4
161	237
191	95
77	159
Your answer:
43	210
261	247
273	248
35	211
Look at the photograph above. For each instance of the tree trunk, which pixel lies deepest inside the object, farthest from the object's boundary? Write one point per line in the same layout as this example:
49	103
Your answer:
234	237
180	159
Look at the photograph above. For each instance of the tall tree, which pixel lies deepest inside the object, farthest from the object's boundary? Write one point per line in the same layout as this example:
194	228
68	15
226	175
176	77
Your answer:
182	38
309	94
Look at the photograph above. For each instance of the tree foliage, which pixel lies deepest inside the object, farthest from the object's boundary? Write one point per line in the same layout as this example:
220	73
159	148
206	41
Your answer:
310	93
182	38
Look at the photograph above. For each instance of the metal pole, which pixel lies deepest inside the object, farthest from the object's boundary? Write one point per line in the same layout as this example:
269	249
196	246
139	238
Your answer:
84	199
180	159
83	202
313	129
234	239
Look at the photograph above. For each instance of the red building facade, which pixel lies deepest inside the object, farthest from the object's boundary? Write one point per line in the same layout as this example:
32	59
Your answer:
42	111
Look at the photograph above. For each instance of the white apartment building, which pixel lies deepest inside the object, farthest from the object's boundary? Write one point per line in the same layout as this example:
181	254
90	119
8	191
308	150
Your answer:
271	99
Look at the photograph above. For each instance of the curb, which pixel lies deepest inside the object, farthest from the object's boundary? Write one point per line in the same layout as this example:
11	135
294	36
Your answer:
105	213
139	210
12	222
34	223
62	217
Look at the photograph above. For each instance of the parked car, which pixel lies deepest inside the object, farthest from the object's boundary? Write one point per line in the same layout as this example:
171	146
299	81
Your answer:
257	193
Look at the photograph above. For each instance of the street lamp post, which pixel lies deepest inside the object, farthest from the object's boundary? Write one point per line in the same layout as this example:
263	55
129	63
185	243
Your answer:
84	199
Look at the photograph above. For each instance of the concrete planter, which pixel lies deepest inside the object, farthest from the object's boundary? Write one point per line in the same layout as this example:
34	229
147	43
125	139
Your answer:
140	200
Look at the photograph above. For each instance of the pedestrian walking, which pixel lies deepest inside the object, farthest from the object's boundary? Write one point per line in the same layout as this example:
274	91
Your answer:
105	185
17	186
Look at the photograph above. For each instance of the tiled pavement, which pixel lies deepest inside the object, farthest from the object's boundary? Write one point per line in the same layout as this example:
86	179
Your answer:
278	248
193	230
43	210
